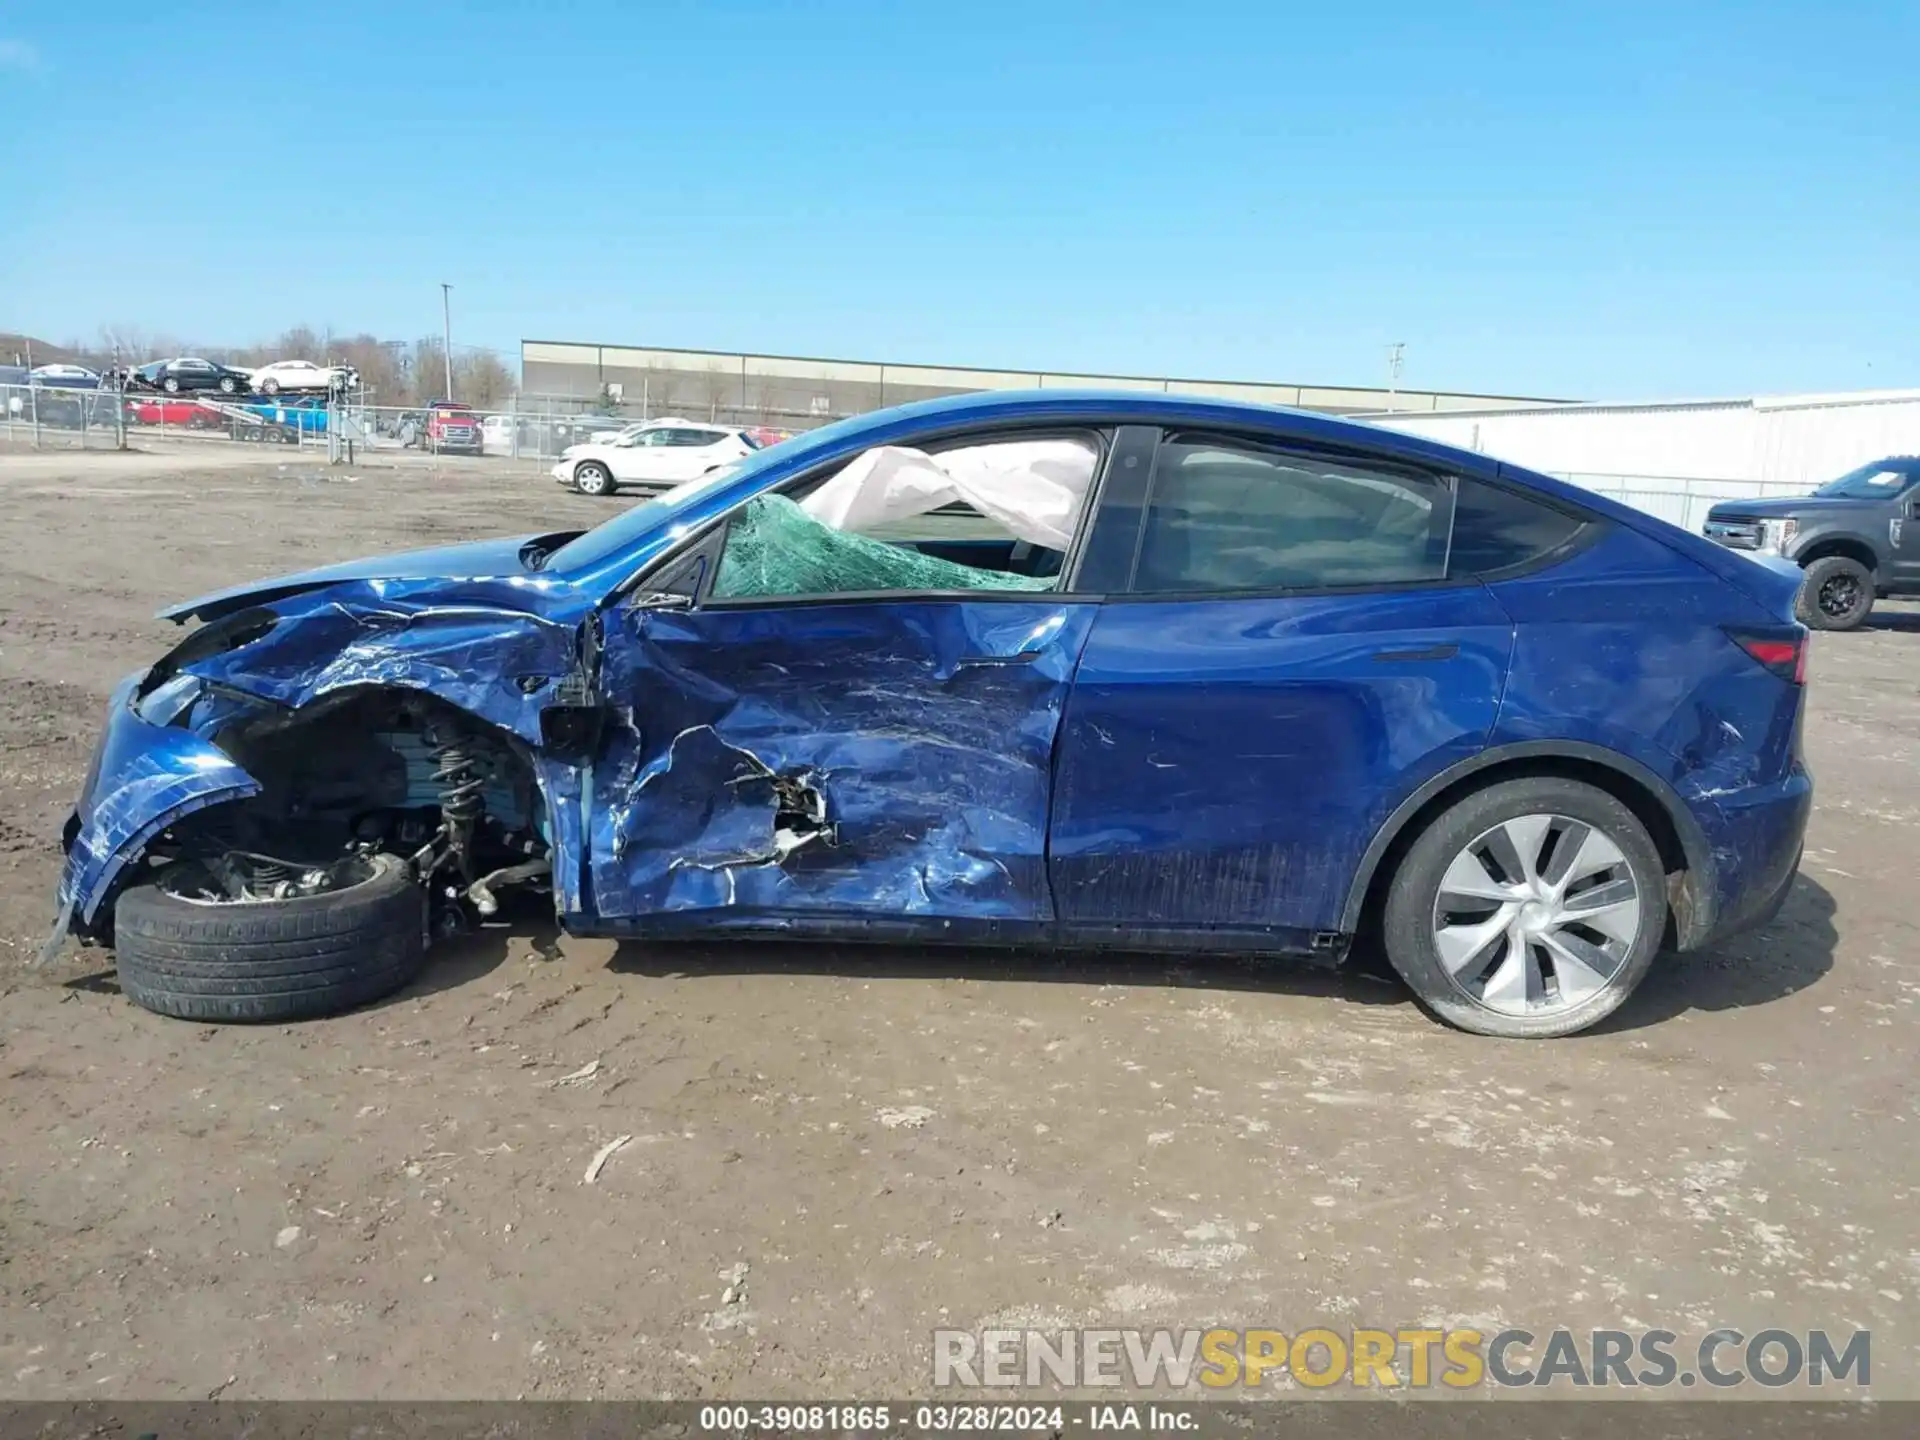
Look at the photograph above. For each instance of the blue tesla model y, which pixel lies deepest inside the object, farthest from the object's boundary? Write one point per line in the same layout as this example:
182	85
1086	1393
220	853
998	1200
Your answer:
1056	669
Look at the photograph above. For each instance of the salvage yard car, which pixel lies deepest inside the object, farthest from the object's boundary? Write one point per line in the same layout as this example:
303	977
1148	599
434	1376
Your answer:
303	376
452	429
1857	538
662	452
189	373
1057	668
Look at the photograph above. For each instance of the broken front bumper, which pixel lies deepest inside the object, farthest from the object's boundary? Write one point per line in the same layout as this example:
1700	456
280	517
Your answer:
144	777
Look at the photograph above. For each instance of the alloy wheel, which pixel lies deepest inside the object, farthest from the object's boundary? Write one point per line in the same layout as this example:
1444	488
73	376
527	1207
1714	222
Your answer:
1536	915
1839	596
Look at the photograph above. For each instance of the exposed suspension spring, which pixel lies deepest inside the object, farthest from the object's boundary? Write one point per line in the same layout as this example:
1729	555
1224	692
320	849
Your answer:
266	871
461	777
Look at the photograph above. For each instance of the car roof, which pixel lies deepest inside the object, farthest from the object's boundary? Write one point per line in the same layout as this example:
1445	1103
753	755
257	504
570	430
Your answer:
1099	406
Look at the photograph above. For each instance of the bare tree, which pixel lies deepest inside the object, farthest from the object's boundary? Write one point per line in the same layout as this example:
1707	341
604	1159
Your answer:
719	387
659	391
135	346
483	380
428	370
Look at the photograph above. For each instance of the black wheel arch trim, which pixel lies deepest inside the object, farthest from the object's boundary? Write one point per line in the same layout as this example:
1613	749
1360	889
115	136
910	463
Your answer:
1693	907
1846	544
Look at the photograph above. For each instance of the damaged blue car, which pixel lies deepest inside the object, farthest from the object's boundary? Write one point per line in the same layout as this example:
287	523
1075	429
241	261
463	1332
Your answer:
1058	669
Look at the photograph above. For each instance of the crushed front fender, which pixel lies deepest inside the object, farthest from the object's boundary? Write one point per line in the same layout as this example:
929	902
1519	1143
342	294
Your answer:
145	777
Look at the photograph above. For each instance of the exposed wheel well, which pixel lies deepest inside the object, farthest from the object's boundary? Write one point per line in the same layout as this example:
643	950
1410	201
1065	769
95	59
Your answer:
1852	549
1645	805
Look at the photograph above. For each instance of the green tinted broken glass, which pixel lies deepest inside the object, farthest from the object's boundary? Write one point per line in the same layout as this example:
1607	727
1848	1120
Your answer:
776	548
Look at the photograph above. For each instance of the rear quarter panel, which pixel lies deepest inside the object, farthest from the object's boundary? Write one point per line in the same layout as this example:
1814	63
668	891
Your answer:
1625	646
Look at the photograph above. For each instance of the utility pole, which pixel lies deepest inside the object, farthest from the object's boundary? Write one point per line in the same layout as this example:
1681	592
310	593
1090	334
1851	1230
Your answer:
1396	352
446	332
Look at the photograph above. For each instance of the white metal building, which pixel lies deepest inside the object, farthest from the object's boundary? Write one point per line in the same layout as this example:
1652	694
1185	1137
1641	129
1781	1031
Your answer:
1676	460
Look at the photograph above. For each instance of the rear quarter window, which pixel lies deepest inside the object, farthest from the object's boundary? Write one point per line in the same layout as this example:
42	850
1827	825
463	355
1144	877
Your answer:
1228	516
1496	530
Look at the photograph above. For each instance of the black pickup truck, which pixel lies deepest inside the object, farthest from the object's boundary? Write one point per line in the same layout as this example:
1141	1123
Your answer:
1857	538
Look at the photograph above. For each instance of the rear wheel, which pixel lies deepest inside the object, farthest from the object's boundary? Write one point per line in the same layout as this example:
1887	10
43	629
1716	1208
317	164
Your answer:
590	477
1836	595
1529	909
239	940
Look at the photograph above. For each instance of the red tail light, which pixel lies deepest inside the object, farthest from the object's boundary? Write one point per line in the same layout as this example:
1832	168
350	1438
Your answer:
1784	653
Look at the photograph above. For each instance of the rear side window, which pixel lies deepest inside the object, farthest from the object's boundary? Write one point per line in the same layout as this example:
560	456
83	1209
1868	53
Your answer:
1228	515
1495	529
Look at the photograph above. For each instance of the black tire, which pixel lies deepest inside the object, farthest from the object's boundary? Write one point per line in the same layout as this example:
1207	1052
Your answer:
229	385
1836	595
271	387
1414	892
271	961
170	385
590	477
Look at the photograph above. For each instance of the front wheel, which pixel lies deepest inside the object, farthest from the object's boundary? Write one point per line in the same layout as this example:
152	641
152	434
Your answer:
1836	595
236	940
271	387
590	477
1531	908
170	385
229	386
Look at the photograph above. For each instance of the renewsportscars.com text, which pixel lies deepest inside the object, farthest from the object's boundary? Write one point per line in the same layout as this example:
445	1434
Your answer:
1415	1358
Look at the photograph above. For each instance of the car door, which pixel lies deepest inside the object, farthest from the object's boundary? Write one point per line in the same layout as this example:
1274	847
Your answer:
1283	659
684	453
701	452
644	460
1903	538
824	759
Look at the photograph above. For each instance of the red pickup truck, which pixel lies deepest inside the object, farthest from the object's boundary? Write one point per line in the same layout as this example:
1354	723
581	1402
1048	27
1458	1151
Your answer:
452	429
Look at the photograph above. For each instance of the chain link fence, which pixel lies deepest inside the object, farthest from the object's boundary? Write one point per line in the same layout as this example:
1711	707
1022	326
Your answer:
51	418
1681	500
342	426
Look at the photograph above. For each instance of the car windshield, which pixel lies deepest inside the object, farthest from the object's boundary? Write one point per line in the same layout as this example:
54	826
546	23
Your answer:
1882	480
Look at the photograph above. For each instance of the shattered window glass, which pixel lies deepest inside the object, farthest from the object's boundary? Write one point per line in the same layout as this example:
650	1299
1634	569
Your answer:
776	548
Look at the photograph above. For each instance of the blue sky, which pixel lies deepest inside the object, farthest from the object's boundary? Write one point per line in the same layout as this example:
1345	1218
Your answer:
1617	201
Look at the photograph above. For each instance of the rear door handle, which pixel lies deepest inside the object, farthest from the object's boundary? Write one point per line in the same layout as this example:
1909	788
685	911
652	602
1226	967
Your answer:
1019	657
1431	652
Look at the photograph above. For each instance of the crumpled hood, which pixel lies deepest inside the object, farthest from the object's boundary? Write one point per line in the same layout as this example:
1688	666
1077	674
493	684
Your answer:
476	560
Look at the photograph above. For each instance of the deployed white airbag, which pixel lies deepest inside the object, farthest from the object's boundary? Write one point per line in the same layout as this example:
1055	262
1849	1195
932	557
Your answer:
1035	488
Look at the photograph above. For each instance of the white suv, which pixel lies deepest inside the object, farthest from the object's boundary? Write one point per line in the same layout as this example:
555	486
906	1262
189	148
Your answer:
658	453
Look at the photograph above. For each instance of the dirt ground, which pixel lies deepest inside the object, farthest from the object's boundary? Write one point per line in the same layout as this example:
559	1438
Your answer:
864	1144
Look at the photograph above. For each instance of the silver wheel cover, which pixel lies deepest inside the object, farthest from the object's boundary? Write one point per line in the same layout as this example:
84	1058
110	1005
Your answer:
1536	916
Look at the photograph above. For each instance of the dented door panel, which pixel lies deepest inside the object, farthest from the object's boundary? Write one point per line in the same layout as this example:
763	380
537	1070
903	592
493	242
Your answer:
1225	762
875	757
